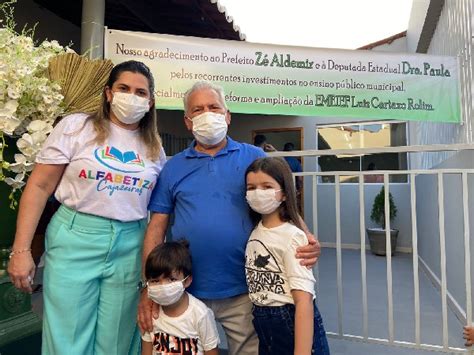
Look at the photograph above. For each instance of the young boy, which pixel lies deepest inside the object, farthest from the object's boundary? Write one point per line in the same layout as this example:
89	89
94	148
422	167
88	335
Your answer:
185	325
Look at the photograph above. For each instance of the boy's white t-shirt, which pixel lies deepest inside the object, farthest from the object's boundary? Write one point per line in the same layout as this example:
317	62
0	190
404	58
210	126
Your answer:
193	332
112	180
271	267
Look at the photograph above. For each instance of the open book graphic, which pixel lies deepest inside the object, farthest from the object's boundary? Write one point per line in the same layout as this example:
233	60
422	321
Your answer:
129	157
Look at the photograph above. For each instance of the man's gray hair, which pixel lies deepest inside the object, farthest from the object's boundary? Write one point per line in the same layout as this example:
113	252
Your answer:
200	85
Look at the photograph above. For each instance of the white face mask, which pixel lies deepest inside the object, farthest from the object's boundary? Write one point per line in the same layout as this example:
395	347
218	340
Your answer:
209	128
166	294
263	201
129	108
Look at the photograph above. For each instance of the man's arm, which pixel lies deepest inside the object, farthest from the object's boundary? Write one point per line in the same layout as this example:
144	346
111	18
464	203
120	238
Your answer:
309	254
154	235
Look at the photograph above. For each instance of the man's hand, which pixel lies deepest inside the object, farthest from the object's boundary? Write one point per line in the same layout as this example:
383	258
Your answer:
309	254
147	310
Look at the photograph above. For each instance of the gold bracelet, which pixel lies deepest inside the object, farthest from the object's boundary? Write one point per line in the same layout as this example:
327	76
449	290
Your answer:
14	252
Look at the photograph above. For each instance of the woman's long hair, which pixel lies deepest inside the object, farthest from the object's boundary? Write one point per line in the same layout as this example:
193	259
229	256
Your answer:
279	170
148	126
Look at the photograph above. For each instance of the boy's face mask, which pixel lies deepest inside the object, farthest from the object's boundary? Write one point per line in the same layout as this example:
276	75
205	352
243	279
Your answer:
166	294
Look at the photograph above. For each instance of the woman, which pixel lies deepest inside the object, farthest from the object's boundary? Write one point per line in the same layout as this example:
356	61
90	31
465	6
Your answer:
103	168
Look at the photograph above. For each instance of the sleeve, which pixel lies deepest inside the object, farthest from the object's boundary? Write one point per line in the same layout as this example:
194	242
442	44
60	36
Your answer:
59	146
299	276
162	200
147	337
208	331
260	154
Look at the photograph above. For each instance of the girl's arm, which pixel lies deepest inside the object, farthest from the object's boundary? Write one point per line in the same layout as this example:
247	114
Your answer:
214	351
147	348
304	322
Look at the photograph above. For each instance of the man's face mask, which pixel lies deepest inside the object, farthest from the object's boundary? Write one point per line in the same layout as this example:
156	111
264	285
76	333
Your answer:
209	128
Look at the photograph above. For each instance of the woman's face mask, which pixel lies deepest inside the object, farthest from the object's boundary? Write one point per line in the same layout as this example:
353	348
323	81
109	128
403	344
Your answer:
209	128
129	108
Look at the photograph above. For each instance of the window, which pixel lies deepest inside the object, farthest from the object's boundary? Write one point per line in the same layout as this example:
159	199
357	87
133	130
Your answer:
363	135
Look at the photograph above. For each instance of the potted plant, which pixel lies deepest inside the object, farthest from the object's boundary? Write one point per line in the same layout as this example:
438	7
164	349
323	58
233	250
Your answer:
377	236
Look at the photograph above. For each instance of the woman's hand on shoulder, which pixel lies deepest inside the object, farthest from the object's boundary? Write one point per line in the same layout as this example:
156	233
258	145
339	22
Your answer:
21	269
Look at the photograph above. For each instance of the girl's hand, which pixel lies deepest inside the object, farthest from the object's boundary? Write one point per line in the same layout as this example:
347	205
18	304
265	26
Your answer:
309	254
21	269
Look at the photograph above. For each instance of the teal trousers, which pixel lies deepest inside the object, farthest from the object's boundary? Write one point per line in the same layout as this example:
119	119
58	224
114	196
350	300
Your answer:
92	269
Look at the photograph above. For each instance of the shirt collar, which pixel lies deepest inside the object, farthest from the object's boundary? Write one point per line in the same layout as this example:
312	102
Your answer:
191	152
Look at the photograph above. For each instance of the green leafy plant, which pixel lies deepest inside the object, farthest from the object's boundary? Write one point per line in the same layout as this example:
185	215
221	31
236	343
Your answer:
378	208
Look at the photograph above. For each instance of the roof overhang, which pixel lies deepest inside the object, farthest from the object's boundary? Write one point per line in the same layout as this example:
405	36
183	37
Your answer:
199	18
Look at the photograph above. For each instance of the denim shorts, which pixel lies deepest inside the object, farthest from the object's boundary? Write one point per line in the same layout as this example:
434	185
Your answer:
275	327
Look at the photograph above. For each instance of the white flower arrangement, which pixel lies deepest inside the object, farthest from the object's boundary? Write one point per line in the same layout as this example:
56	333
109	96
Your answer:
29	101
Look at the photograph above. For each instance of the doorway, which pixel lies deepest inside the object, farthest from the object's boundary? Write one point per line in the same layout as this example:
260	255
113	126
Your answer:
293	138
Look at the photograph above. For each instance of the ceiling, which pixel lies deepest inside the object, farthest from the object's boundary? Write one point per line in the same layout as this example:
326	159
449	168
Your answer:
199	18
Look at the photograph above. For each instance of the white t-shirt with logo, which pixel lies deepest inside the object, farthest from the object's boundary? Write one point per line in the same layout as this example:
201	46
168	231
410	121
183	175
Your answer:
271	267
112	180
193	332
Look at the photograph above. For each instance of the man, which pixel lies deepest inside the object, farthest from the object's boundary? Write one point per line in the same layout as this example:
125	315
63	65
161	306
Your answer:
204	186
261	141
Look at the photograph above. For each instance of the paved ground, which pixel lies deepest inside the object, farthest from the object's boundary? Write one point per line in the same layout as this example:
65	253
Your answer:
377	296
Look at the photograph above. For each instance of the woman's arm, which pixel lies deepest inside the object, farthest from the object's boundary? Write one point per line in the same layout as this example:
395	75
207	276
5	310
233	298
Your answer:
304	322
40	186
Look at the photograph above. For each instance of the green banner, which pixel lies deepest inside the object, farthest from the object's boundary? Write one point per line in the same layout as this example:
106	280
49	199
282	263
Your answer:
284	80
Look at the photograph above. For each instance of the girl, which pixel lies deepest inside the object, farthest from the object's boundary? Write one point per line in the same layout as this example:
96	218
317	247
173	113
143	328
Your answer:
286	319
102	168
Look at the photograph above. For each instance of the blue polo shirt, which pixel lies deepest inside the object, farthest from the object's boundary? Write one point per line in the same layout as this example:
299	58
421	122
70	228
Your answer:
294	164
207	196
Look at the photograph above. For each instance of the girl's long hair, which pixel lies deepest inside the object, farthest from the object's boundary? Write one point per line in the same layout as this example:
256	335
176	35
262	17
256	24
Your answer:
279	170
148	126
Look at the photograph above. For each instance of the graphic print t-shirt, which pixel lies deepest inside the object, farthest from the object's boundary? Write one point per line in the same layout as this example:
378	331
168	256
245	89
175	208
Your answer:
112	180
271	268
191	333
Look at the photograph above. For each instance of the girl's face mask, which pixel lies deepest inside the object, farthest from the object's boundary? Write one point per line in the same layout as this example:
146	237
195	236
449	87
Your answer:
263	201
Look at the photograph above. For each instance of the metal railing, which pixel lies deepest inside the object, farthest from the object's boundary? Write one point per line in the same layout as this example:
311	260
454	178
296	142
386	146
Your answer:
440	174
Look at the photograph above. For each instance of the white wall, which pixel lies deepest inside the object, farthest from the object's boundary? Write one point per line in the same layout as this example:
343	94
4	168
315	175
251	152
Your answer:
416	22
428	226
451	37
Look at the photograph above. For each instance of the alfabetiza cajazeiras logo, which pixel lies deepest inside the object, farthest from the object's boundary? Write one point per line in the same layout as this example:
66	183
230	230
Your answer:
122	173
